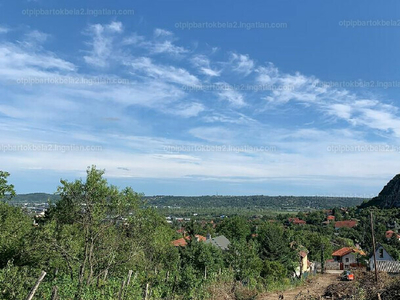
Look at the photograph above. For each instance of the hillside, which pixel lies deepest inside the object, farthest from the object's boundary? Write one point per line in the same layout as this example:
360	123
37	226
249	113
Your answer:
260	201
34	198
389	197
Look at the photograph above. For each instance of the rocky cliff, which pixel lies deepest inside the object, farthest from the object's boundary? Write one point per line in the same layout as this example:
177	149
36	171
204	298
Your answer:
389	197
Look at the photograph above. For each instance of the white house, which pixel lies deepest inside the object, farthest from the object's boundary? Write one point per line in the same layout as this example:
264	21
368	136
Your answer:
347	257
381	255
384	261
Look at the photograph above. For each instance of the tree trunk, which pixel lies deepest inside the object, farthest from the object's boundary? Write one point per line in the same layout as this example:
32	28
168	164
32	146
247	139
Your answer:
35	287
121	290
128	280
146	295
54	294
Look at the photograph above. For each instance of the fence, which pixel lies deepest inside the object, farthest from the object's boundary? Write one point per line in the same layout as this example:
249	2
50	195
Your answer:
387	266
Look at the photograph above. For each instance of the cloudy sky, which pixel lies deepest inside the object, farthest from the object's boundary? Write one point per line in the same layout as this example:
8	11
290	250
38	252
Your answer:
202	97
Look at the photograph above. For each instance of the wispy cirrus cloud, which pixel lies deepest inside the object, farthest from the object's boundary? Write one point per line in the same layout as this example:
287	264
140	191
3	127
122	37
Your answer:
202	62
162	42
160	72
141	108
241	63
101	43
4	29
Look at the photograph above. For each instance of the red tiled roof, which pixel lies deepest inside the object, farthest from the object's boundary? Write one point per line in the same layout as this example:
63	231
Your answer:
347	224
183	241
390	233
330	218
346	250
297	221
303	253
180	242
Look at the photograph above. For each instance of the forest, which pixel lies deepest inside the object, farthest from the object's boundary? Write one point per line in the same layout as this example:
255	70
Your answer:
101	242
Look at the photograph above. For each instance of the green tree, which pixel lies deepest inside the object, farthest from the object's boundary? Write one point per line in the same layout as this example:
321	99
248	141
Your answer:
100	212
6	190
235	228
243	258
15	228
275	246
273	271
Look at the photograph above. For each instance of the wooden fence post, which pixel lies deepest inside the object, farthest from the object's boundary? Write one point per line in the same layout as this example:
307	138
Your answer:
105	275
128	280
121	290
54	294
35	287
147	292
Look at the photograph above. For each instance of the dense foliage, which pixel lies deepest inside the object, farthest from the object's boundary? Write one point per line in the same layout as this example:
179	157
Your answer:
95	233
258	201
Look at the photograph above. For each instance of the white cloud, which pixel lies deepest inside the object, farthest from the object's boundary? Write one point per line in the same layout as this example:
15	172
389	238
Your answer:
163	73
162	32
161	43
36	37
115	27
228	93
76	112
187	110
165	47
343	111
203	64
102	37
216	134
340	103
4	29
16	62
241	64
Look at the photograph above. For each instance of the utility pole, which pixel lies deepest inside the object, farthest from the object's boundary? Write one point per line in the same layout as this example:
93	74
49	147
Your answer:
322	259
373	244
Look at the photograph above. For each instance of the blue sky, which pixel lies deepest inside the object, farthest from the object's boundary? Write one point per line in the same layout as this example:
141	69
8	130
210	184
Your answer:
260	97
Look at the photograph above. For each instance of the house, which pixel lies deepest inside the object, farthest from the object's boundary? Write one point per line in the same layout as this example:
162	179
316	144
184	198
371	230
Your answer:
345	224
390	233
305	264
394	225
384	261
182	242
347	257
219	241
181	231
329	219
381	254
296	221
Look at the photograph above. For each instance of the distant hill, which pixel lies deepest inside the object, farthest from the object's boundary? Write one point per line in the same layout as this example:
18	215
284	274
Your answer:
34	198
389	197
257	201
270	202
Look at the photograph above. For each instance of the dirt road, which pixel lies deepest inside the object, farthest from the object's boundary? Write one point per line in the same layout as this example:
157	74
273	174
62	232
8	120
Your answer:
316	287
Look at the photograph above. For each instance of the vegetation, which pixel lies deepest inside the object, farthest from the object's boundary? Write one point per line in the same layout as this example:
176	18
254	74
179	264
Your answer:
95	233
258	201
95	236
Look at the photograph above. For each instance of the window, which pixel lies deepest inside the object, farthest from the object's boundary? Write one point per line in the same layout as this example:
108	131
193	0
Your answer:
381	253
347	259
